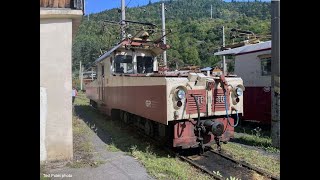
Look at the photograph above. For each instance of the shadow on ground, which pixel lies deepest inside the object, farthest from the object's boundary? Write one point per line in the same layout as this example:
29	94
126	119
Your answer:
114	133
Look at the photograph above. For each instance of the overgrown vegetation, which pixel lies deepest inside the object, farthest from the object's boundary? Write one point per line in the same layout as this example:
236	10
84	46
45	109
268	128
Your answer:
158	163
195	35
255	137
254	140
254	157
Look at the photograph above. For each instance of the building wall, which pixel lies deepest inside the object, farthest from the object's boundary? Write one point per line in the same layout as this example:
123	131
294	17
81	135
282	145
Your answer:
248	67
257	94
55	80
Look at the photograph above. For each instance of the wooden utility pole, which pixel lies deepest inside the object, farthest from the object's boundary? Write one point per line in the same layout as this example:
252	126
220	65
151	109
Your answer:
275	71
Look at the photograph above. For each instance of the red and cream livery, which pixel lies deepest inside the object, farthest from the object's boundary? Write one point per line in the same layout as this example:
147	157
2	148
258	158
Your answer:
185	109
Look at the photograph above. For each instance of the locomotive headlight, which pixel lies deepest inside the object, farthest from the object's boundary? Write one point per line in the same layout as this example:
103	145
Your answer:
181	94
239	92
236	93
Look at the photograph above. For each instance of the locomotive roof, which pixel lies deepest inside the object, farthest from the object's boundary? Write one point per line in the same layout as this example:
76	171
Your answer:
107	53
155	47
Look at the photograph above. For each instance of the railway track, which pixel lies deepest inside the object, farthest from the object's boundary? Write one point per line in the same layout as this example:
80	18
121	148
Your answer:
234	168
247	165
213	161
199	167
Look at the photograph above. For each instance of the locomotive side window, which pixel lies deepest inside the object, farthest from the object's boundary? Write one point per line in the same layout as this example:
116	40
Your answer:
102	71
123	64
94	74
144	64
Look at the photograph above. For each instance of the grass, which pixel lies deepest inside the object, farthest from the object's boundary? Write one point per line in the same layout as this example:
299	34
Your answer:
254	137
258	137
81	134
43	171
254	157
83	147
256	140
112	148
158	163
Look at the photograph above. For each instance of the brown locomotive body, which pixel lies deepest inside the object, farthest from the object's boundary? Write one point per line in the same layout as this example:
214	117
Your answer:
185	109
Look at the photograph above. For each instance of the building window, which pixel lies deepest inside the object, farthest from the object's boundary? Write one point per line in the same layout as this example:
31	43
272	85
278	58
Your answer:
265	65
102	71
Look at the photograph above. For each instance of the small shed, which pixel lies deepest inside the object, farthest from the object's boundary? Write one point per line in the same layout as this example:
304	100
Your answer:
206	70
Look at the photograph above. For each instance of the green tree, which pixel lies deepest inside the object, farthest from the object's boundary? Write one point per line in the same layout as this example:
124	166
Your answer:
195	36
191	56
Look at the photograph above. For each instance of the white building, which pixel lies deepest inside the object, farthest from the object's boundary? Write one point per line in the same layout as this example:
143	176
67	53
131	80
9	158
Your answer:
59	21
253	65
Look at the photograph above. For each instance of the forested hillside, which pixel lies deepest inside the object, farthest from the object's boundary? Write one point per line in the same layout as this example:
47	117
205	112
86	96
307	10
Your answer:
195	35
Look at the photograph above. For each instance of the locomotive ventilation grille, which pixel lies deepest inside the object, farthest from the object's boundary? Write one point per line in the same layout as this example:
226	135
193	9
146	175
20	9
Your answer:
191	104
219	100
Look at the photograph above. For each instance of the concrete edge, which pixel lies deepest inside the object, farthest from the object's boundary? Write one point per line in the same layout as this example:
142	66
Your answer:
60	13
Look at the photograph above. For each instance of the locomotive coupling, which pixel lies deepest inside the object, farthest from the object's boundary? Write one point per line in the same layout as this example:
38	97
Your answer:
215	127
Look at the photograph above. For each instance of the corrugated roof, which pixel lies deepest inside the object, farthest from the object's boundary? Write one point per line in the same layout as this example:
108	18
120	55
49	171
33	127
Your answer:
246	49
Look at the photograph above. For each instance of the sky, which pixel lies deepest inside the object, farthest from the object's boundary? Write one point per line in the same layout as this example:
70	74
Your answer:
95	6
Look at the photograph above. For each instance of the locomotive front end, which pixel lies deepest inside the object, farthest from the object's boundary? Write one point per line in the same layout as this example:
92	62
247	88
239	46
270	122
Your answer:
203	109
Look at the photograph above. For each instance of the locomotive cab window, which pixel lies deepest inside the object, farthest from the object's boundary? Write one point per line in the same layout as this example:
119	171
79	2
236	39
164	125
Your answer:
123	64
144	64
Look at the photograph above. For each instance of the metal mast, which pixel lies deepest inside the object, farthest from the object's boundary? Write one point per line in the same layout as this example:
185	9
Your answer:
123	17
163	34
223	57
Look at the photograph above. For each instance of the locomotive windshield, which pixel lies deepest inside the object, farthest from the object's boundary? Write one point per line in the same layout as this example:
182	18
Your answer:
144	64
123	64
